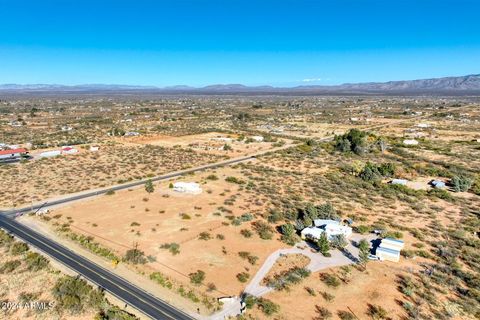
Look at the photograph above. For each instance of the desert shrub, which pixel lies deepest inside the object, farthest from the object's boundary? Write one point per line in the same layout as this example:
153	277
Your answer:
362	229
149	186
185	216
212	177
204	236
161	280
243	277
345	315
35	261
110	192
323	313
75	295
235	180
311	291
377	312
264	230
330	280
173	247
461	183
284	280
250	301
114	313
327	296
441	194
5	238
268	307
18	248
246	233
135	256
197	277
10	266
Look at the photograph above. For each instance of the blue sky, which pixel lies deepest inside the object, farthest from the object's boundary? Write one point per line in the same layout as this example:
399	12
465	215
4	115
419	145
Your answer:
254	42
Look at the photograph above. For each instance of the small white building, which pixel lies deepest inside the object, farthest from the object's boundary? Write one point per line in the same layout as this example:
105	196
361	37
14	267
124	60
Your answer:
50	154
402	182
387	254
389	249
69	150
187	187
94	148
410	142
132	134
257	138
423	125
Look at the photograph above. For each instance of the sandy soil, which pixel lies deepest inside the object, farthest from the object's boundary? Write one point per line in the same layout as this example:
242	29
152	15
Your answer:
135	217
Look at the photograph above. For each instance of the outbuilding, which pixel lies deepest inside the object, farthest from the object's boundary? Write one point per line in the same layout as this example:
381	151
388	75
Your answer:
410	142
402	182
437	184
187	187
388	254
14	154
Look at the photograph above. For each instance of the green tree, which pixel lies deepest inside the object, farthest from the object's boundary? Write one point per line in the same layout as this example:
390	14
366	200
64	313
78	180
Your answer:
339	241
149	186
461	183
364	251
323	245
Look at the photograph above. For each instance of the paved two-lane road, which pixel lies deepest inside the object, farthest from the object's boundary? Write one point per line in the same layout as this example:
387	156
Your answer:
119	287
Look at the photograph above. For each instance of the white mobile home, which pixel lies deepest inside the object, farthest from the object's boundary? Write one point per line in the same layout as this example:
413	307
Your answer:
15	154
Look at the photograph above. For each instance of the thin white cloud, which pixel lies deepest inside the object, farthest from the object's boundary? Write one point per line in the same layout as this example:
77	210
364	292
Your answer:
312	79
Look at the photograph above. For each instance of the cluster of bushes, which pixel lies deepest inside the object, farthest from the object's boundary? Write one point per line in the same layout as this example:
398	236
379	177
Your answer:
135	256
287	278
358	142
88	243
197	277
372	172
235	180
268	307
305	216
249	257
263	229
161	280
173	247
76	296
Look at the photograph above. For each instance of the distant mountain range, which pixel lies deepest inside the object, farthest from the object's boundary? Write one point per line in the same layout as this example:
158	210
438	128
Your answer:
469	84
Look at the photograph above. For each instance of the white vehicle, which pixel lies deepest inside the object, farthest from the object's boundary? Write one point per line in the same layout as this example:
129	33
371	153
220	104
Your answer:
373	257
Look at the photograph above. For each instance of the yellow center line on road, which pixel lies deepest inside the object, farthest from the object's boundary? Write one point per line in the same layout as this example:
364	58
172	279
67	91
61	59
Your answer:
93	271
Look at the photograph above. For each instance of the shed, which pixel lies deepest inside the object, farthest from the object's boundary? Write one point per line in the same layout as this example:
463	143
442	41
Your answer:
50	154
388	254
402	182
410	142
438	184
393	244
187	187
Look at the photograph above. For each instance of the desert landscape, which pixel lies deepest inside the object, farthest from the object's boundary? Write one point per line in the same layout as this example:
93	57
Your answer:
238	239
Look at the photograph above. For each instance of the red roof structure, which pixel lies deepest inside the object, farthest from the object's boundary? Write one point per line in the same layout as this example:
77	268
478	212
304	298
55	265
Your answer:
20	150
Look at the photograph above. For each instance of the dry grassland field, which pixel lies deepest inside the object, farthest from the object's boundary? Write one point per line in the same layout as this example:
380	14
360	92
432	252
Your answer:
348	161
